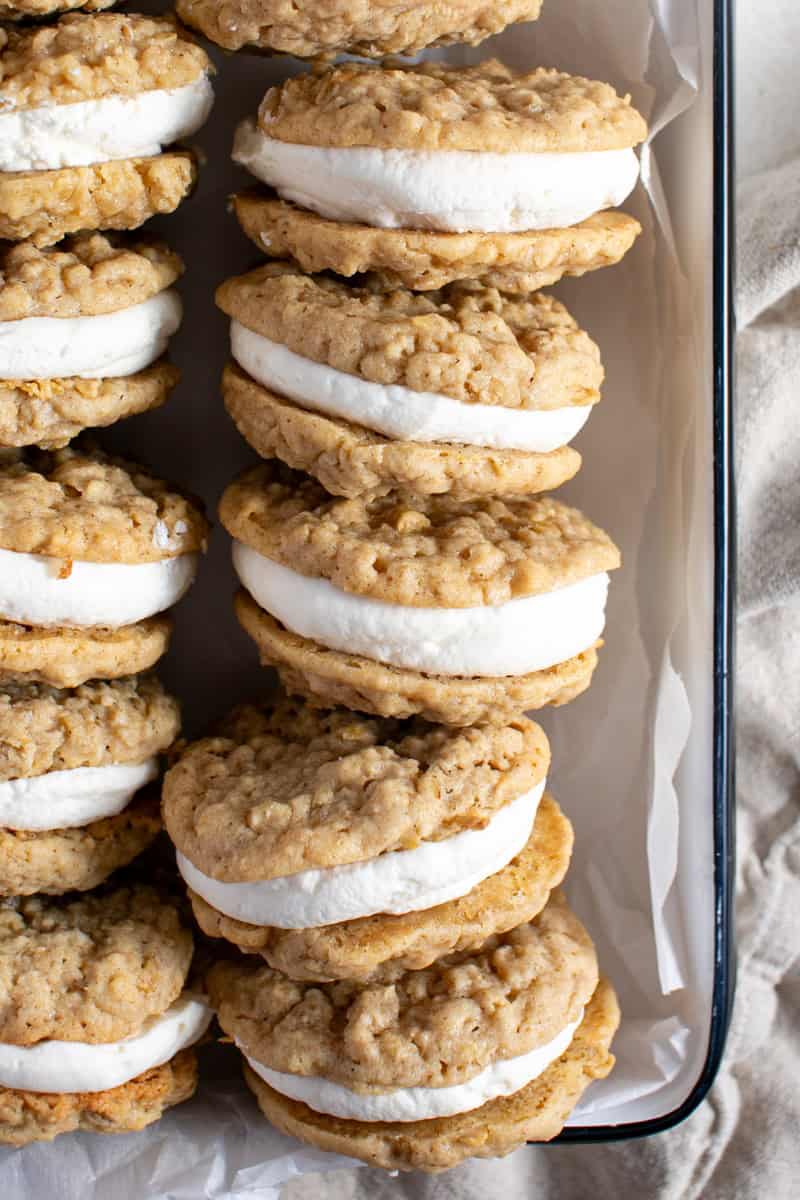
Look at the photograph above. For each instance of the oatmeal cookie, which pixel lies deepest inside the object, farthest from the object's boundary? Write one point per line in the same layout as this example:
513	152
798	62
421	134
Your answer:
25	10
67	658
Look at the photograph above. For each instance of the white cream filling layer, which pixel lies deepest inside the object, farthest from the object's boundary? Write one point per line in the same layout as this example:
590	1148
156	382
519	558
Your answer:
112	594
400	881
54	1066
97	131
70	799
419	1103
449	190
397	411
515	638
107	346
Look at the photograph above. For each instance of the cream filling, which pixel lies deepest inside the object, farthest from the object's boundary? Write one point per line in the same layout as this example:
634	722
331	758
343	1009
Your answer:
449	190
33	592
98	131
71	799
106	346
399	881
69	1067
529	634
397	411
419	1103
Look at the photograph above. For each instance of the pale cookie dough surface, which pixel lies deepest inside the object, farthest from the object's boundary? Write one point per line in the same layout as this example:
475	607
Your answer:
57	861
46	729
290	788
351	461
27	1117
19	10
437	1027
85	276
432	106
66	658
81	504
88	57
45	206
536	1113
329	677
468	342
380	947
423	260
50	412
371	30
93	969
421	551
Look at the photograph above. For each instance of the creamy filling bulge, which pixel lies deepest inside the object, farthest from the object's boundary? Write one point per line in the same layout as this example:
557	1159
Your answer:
73	798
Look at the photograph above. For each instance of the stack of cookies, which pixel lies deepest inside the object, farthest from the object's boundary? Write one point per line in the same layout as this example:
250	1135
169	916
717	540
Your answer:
94	1023
410	986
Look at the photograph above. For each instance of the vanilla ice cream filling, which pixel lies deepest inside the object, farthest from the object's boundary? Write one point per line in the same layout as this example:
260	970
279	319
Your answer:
397	411
68	1067
399	881
98	131
532	633
502	1078
38	590
101	347
448	190
71	799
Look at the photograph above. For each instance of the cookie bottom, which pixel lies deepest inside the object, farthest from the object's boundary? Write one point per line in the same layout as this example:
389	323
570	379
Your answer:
66	658
535	1113
350	460
330	678
423	260
45	206
27	1117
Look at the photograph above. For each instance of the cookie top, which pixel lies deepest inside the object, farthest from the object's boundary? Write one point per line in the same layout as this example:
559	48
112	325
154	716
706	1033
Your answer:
107	721
83	276
436	1027
82	504
89	57
66	658
430	106
368	28
469	342
88	970
18	10
423	551
290	788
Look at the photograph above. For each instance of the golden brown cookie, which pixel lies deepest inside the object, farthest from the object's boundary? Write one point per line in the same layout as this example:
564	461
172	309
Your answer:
66	658
24	10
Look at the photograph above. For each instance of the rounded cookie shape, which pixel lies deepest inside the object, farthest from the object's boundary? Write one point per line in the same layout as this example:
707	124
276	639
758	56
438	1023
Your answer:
536	1113
426	260
92	969
50	412
45	729
46	206
24	10
289	788
365	28
419	551
378	947
66	658
82	504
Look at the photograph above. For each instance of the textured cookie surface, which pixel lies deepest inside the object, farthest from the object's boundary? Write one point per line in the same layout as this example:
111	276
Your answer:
45	206
421	551
424	260
536	1113
57	861
328	677
81	504
309	29
88	57
291	788
377	948
66	658
106	721
18	10
85	276
432	106
50	412
349	460
93	969
437	1027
